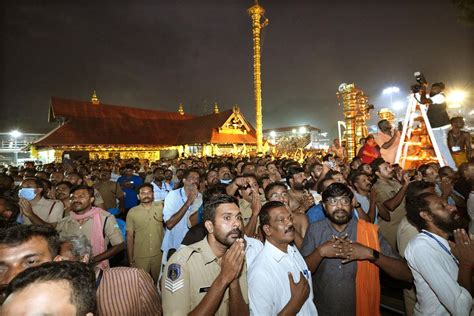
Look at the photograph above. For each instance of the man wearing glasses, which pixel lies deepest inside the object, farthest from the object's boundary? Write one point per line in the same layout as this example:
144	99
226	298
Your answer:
344	255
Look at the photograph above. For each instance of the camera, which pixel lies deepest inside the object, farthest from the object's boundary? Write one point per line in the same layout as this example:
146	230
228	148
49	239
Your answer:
421	82
420	78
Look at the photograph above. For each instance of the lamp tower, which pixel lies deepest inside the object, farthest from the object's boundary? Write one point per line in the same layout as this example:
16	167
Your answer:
256	12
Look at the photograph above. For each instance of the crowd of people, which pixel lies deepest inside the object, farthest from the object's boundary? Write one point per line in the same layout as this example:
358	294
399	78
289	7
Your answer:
229	235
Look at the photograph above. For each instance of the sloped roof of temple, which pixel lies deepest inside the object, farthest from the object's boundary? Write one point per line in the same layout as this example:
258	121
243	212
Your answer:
94	123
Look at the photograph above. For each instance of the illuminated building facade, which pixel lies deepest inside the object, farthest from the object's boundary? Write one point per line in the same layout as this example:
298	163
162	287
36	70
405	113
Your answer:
97	130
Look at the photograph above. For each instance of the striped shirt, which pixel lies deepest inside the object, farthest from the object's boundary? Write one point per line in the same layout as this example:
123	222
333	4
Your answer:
127	291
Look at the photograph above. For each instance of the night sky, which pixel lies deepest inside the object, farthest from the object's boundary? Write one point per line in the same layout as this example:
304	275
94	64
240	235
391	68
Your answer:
155	54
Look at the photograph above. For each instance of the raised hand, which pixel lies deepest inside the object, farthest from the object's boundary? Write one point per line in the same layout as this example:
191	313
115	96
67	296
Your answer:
256	202
192	195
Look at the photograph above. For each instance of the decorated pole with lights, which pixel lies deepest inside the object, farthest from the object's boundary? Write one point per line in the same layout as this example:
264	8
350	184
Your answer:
356	113
256	12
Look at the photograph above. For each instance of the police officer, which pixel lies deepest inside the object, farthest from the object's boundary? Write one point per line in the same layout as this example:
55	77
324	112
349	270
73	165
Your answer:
210	277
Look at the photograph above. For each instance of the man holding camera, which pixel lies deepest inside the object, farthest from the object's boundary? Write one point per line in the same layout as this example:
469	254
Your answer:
438	116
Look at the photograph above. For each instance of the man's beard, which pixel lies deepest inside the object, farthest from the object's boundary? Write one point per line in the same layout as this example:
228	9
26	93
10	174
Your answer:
340	220
299	186
226	240
450	224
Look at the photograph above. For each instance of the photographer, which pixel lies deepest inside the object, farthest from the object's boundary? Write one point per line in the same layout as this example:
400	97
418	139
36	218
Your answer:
437	115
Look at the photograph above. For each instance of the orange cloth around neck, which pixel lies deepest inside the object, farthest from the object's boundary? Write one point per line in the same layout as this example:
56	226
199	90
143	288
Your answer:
367	277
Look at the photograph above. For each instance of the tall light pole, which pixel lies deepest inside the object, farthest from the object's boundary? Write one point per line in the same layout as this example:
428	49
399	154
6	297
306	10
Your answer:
256	12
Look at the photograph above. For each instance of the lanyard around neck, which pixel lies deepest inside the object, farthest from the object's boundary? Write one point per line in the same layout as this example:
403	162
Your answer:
441	245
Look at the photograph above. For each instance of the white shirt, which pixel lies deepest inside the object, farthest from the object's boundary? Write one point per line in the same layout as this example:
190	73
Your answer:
268	284
160	194
252	249
173	202
435	273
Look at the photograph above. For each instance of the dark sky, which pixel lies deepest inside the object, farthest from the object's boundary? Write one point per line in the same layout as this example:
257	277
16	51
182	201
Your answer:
154	54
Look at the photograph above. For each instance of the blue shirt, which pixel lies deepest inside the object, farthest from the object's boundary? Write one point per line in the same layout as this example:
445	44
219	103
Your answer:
316	213
131	199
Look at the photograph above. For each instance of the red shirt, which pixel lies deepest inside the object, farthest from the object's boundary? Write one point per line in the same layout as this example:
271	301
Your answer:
370	149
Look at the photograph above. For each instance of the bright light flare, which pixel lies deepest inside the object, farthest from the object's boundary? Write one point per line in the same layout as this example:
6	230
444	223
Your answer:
391	90
398	105
303	130
16	134
273	134
455	98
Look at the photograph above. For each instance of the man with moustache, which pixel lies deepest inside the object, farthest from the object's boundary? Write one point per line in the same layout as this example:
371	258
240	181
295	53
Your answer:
179	205
145	232
224	174
278	192
110	191
76	179
249	203
300	200
62	193
210	277
442	270
366	197
160	187
390	199
99	226
345	255
279	280
56	177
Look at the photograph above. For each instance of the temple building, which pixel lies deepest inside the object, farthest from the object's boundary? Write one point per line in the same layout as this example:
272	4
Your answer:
91	129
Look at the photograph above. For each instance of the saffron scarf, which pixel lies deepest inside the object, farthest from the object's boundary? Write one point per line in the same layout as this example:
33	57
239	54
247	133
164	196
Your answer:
367	278
97	238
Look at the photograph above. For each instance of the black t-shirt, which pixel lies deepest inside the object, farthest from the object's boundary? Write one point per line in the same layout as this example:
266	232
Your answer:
437	115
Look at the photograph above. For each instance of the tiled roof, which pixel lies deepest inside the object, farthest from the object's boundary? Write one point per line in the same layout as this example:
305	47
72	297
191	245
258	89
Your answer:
71	108
88	124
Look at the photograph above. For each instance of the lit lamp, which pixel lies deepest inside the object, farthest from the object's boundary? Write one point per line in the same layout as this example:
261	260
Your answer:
390	91
455	98
15	134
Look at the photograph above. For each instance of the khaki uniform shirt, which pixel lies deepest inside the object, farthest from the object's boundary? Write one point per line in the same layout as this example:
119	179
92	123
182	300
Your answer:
97	197
385	191
70	227
147	226
110	191
188	276
50	211
246	210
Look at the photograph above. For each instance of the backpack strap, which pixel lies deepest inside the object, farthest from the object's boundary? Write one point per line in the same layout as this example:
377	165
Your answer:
51	209
105	224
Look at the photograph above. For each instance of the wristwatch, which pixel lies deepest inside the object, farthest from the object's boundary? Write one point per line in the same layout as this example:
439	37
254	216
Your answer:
375	256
